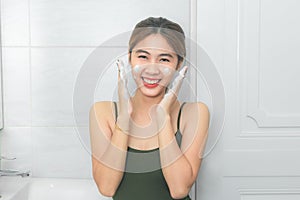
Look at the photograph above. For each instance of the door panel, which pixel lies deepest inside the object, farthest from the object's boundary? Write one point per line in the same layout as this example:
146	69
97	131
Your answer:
255	47
261	66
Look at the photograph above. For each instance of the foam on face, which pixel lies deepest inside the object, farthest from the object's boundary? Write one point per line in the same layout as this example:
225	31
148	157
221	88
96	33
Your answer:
166	71
136	68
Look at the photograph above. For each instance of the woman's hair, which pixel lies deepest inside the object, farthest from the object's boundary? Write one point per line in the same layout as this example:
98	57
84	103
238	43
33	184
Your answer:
171	31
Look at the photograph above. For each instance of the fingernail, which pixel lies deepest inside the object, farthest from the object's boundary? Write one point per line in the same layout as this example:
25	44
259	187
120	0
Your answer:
186	68
117	63
182	72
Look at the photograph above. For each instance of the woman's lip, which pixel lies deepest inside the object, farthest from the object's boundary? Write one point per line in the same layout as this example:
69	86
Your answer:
150	85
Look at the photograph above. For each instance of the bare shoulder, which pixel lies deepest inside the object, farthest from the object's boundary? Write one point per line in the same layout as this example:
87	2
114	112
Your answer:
102	104
101	118
197	112
103	110
201	107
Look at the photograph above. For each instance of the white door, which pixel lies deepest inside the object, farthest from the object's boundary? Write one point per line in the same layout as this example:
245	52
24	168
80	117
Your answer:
255	45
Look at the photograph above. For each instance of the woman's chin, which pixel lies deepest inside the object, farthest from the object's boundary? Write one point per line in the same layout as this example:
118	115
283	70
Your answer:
152	91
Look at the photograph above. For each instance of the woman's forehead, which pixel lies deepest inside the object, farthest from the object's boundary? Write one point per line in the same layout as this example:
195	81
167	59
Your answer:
154	43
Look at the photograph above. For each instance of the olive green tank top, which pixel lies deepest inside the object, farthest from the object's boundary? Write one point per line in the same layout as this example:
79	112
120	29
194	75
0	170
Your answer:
143	177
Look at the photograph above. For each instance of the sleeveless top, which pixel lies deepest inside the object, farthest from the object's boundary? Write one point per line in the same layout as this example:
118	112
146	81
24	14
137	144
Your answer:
143	178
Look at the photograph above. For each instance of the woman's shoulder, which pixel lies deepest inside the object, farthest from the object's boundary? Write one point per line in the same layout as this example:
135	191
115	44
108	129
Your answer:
195	114
193	106
102	104
103	108
196	108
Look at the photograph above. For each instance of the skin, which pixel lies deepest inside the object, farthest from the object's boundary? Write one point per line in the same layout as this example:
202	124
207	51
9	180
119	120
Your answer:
148	108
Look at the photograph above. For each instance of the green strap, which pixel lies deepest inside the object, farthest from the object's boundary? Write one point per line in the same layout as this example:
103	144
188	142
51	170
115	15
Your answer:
179	115
116	111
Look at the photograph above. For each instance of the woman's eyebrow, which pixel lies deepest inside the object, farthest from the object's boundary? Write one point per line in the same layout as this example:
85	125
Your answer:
166	54
146	52
142	51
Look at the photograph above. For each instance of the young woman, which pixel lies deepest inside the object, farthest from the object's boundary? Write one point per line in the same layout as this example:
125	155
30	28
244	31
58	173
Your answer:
149	145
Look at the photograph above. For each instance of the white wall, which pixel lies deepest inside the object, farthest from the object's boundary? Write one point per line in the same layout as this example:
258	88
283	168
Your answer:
45	44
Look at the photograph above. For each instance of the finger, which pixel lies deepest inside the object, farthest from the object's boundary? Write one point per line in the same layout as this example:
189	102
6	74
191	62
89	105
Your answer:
178	80
118	63
183	71
120	82
121	69
119	78
122	79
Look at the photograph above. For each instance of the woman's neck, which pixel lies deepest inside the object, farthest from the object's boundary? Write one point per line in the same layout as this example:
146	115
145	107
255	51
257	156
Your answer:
143	103
141	107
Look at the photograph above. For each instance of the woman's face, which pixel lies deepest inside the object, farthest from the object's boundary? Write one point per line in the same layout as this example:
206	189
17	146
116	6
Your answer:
154	63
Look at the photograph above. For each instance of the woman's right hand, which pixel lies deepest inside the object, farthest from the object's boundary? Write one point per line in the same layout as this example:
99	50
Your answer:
125	105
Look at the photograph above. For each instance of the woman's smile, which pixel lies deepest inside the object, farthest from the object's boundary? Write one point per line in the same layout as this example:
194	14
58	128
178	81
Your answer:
152	76
150	82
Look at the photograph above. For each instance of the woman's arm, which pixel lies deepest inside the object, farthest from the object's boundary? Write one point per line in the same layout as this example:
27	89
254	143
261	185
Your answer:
181	165
109	148
109	141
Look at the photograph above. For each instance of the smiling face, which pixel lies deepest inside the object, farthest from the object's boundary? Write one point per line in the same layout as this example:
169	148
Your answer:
154	63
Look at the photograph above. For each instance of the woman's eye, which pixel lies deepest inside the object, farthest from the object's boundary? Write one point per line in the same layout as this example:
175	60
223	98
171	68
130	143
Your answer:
165	60
143	57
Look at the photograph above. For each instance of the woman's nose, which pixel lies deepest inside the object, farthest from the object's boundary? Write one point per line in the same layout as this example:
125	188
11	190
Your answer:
152	69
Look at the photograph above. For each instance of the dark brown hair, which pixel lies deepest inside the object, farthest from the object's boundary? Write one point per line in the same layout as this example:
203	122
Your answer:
171	31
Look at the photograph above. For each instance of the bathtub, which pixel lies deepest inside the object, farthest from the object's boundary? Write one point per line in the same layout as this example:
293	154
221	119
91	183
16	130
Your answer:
49	189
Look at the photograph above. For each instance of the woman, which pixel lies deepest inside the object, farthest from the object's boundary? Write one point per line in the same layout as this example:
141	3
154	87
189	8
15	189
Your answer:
152	121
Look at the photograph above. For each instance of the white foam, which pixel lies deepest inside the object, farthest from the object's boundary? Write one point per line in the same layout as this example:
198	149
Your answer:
137	68
166	71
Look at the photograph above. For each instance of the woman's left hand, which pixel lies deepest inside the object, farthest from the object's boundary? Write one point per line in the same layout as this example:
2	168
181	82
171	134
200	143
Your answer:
164	107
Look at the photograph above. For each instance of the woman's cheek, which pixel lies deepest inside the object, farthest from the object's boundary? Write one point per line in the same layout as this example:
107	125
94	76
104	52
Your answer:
166	71
167	76
136	71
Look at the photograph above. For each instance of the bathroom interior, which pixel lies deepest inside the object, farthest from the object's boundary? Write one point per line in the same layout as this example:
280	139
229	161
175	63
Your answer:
45	46
248	49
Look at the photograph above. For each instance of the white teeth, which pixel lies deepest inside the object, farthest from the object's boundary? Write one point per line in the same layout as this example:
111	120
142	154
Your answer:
151	81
